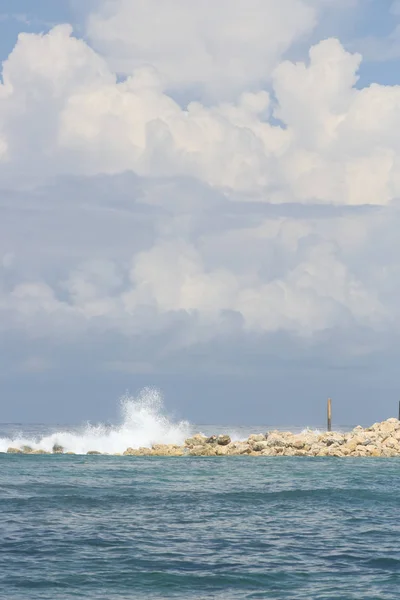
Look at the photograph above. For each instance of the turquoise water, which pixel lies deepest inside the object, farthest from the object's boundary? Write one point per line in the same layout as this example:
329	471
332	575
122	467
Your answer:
103	527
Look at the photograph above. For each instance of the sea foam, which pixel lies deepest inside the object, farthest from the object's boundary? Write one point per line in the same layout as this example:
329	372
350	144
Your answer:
143	423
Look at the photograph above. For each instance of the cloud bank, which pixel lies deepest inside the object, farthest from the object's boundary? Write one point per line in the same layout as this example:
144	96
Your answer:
192	182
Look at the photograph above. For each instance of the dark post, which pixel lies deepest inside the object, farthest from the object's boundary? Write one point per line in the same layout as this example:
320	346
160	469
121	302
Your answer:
329	414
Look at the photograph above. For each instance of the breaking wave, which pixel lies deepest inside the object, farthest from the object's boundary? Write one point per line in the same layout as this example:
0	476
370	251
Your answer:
143	423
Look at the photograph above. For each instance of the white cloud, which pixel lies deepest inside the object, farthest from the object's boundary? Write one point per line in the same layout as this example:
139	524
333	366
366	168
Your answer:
221	46
68	114
312	137
299	276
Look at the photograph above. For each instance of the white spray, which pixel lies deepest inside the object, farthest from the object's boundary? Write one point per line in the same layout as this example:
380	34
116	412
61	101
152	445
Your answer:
143	423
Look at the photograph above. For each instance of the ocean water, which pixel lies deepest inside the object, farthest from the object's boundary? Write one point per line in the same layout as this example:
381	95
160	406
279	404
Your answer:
114	527
105	527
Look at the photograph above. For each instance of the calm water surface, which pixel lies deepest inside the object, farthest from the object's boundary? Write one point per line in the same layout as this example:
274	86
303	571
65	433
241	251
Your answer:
99	527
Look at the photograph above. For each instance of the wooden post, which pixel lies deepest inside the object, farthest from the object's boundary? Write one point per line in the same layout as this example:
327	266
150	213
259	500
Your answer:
329	414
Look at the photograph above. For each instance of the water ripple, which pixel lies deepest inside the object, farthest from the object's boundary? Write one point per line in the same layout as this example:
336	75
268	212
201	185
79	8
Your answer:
118	528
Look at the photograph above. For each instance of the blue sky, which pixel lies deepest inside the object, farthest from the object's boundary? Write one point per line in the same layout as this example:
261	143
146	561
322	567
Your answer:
202	200
17	16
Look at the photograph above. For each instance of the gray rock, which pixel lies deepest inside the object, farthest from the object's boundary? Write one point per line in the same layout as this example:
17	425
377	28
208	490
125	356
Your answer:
223	440
212	440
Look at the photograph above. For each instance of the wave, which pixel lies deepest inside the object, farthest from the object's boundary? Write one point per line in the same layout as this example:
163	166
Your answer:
143	423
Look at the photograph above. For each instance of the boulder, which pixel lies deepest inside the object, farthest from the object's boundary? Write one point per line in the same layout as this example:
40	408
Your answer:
238	448
300	452
386	427
270	451
332	438
276	440
57	449
223	440
256	437
92	452
335	450
130	452
357	429
351	445
222	450
299	443
212	440
389	452
27	449
373	451
316	449
138	452
259	446
167	450
196	440
360	451
204	450
14	451
391	442
288	451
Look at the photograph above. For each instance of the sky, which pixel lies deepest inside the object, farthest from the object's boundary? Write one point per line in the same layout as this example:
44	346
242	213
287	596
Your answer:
203	198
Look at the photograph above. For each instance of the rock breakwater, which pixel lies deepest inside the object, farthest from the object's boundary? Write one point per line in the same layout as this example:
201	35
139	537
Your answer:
379	440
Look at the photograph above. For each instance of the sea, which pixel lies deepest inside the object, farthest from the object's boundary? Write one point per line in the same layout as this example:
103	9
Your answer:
109	527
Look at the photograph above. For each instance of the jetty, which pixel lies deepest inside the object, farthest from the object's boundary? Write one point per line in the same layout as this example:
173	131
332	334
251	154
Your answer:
379	440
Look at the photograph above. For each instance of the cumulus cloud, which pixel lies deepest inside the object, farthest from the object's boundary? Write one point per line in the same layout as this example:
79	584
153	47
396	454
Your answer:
316	139
125	210
265	273
221	47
